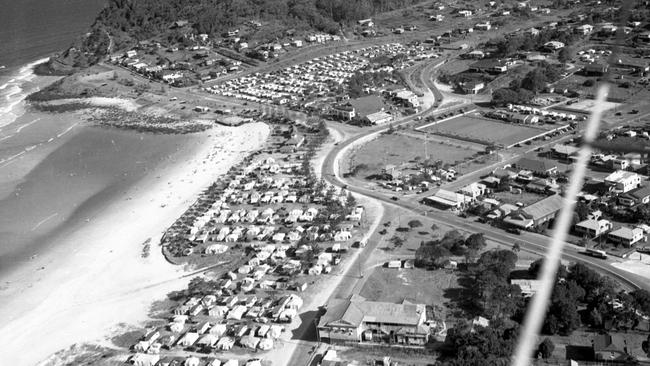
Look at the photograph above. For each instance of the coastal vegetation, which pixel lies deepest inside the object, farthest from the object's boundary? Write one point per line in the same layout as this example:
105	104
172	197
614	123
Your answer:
146	18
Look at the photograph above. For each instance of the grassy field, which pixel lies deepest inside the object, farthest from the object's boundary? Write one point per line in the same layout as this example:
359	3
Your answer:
422	286
398	149
527	198
587	104
484	130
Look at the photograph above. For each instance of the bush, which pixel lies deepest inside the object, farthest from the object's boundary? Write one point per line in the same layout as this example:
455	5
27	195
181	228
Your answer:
546	348
414	223
589	82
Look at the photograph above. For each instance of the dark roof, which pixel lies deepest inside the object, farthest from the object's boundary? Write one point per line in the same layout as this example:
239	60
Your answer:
487	64
603	342
579	353
640	193
367	105
548	206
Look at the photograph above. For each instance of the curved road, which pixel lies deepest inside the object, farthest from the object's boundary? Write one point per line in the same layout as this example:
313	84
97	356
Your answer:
530	242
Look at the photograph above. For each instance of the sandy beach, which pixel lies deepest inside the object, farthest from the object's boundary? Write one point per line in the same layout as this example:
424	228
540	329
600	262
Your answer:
93	277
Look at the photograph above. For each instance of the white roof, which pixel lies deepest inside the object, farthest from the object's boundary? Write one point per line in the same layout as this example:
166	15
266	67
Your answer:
627	233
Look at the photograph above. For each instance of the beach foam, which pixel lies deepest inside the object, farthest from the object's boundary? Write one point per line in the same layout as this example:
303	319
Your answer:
18	86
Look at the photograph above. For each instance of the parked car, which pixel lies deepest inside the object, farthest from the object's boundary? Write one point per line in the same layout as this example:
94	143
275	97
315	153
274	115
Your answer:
513	230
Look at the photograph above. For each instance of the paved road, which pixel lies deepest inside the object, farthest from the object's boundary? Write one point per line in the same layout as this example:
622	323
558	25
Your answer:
531	242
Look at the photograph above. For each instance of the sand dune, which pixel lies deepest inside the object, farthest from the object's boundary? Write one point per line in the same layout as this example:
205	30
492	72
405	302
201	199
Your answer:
95	278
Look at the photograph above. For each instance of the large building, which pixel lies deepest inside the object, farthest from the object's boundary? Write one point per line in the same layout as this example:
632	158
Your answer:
358	320
622	181
536	214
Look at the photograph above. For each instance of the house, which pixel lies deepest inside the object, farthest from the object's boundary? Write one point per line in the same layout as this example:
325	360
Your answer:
144	359
523	118
358	320
536	214
622	181
537	167
584	29
366	22
492	66
592	227
345	112
471	86
476	54
225	343
564	152
407	98
379	118
595	68
553	45
483	26
448	199
188	339
465	13
474	190
528	287
636	196
191	361
626	236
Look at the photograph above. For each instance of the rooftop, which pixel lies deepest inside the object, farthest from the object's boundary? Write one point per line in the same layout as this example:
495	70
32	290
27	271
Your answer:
355	311
545	207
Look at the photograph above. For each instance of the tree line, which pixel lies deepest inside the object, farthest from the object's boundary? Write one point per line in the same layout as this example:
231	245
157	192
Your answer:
143	19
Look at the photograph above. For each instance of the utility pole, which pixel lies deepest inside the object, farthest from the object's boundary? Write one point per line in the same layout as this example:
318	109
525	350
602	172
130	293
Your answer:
426	154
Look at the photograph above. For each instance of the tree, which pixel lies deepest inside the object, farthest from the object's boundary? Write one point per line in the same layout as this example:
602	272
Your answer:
414	224
535	267
641	300
582	210
475	242
350	201
534	81
397	241
565	54
504	184
562	316
546	348
516	248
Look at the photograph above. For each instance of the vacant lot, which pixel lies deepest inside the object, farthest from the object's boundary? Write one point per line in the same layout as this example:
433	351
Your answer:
527	198
485	131
588	104
398	149
419	285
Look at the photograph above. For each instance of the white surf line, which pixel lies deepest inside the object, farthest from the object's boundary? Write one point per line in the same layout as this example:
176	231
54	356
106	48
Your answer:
44	221
9	159
28	124
67	130
6	137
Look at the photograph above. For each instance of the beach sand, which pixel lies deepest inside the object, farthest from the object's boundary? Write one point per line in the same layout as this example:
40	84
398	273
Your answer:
92	277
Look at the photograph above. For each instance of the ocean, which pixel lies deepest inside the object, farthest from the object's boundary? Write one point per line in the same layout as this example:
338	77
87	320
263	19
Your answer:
55	169
32	29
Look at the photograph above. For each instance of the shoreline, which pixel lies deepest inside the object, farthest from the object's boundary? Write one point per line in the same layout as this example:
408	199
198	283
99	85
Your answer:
85	290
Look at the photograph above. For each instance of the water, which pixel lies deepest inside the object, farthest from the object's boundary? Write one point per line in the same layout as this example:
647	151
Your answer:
32	29
54	169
